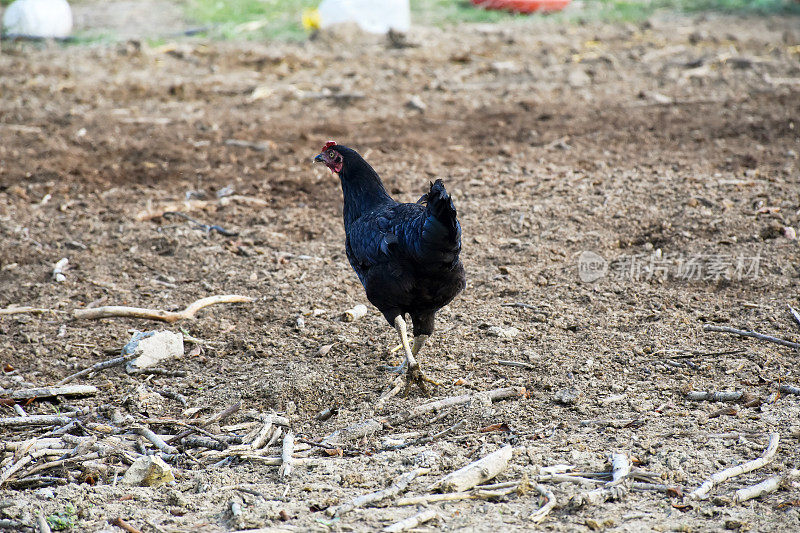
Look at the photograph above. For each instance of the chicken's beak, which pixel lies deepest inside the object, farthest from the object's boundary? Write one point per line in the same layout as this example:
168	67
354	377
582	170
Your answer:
319	159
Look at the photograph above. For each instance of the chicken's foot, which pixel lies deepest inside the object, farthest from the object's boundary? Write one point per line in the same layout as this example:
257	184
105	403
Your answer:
414	374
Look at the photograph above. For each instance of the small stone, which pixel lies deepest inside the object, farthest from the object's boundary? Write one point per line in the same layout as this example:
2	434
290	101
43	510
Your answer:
45	493
790	233
568	396
415	103
152	348
503	333
428	459
148	471
736	525
593	524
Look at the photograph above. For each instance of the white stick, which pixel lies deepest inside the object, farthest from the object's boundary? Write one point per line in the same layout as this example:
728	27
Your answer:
724	475
475	473
13	468
110	311
49	392
771	484
620	467
539	516
396	488
286	455
261	437
411	522
351	315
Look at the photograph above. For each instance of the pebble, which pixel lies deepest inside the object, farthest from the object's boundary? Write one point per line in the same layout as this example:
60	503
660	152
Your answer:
503	333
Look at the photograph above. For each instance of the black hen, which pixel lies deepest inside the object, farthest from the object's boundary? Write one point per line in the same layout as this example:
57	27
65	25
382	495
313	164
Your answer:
406	255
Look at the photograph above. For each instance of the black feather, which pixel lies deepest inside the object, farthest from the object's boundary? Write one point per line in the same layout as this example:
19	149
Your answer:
406	255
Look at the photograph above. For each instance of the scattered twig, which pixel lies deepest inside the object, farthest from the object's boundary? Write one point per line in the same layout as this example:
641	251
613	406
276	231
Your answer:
601	494
97	367
286	455
396	488
49	392
518	364
420	410
208	228
788	389
13	468
724	475
550	504
258	147
35	420
397	385
753	334
157	441
425	440
117	311
122	524
172	395
41	523
795	314
720	396
477	472
411	522
18	310
771	484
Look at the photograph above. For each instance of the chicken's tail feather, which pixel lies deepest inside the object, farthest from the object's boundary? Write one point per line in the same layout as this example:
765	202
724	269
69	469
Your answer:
441	232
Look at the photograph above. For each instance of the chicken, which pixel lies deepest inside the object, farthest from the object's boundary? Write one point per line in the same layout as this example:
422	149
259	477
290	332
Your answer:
405	255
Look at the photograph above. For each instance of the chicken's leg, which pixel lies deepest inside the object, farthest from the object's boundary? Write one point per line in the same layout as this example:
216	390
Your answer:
414	374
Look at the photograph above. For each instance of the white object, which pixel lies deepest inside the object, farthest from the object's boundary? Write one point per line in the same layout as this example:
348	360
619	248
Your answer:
148	471
38	18
154	348
372	16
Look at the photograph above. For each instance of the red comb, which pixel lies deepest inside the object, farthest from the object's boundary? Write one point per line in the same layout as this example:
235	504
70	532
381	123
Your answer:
328	145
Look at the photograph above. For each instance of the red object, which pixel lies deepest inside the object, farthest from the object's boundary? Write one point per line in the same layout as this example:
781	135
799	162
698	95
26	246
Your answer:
523	6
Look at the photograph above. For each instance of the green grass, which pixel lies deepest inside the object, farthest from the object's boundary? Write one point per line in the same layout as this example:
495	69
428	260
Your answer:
280	19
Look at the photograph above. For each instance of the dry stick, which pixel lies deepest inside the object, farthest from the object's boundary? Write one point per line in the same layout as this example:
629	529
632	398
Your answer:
228	411
261	437
14	468
518	364
49	392
655	487
753	334
117	311
494	395
788	389
41	523
286	455
373	425
477	472
17	310
724	475
117	361
567	478
35	420
122	524
397	386
396	488
411	522
425	440
720	396
539	516
771	484
795	314
157	441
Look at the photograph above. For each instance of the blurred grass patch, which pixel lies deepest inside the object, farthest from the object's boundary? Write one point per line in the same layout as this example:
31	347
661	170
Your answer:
282	19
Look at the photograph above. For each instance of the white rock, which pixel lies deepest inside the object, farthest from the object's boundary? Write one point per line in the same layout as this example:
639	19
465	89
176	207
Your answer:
503	333
38	18
148	471
790	233
154	347
415	102
351	315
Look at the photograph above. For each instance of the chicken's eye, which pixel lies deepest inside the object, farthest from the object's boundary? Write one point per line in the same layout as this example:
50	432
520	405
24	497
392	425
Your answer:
331	154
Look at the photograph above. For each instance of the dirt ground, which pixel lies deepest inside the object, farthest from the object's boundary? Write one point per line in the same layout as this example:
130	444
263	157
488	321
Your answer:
656	146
